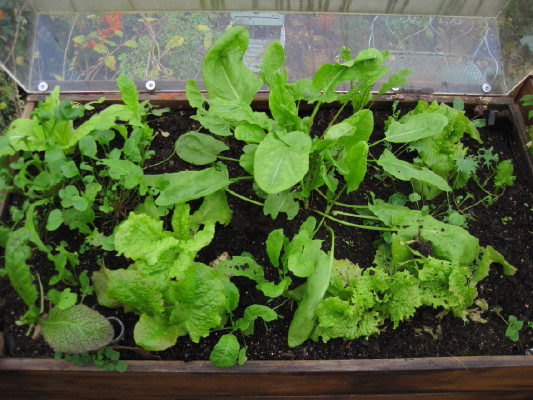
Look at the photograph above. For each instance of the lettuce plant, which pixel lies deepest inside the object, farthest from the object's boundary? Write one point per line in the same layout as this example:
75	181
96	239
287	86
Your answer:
172	293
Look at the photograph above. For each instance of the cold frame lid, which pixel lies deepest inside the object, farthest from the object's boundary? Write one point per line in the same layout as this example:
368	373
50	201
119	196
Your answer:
452	47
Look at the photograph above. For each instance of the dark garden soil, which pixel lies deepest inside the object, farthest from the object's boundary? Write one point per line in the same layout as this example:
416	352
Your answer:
506	225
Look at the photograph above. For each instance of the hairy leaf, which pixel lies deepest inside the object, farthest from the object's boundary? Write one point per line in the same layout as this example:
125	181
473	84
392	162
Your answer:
77	329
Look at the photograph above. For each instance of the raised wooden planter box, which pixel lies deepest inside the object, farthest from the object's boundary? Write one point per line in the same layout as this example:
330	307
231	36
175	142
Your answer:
480	377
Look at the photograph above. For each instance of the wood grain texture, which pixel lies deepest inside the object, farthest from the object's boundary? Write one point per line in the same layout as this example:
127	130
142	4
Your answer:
511	375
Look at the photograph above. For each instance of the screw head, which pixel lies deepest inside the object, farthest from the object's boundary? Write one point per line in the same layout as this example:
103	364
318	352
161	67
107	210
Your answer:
150	85
486	87
42	86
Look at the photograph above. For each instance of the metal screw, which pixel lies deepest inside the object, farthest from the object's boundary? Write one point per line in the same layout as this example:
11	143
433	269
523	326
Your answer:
486	87
42	86
150	85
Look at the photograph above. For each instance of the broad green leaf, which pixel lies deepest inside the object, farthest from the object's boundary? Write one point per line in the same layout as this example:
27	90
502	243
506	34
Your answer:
283	202
355	161
195	97
232	295
154	335
199	148
363	120
273	290
62	300
17	251
87	145
249	133
142	237
449	242
327	78
100	280
214	209
199	301
273	63
190	185
55	219
338	130
26	135
417	127
396	80
504	174
130	97
131	173
301	254
246	161
280	163
304	318
181	221
75	330
136	293
407	171
214	123
242	355
224	74
251	313
490	255
338	318
274	245
514	326
282	104
226	351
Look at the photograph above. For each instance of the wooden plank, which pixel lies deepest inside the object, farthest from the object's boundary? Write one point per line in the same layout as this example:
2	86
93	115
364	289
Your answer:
525	89
274	378
396	396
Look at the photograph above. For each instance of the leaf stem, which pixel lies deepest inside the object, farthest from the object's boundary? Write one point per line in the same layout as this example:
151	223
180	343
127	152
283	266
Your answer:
161	162
371	228
355	215
228	158
258	203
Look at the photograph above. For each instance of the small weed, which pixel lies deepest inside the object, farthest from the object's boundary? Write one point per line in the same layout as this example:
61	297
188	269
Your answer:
106	358
506	220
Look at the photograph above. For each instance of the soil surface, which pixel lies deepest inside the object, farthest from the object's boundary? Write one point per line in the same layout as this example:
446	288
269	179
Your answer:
505	225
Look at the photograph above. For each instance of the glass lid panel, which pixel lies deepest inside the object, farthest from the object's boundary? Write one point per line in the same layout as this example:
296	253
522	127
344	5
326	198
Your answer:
18	24
515	27
452	53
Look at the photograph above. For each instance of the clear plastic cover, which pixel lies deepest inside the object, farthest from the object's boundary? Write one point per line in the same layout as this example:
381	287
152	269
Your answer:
453	52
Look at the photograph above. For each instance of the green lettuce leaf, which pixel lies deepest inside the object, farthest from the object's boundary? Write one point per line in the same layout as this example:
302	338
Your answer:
199	299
